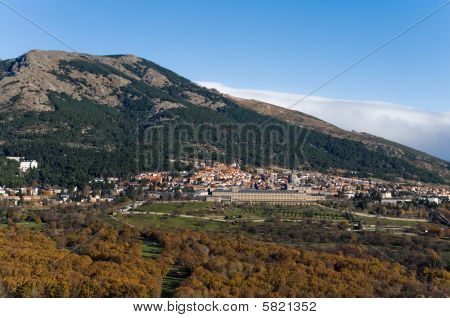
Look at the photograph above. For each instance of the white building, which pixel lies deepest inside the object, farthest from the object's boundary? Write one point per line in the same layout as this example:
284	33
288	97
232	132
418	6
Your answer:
348	194
24	165
18	159
434	200
27	165
386	195
34	191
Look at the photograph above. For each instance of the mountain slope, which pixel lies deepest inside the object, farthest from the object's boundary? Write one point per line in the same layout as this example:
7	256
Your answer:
82	116
417	157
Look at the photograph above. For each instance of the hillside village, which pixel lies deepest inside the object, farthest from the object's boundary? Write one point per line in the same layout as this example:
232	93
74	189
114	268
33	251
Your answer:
208	179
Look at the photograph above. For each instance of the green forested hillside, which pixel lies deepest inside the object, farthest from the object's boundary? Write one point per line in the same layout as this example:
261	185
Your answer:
9	173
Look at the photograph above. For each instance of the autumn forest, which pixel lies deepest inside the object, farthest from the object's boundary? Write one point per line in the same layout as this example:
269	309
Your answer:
87	252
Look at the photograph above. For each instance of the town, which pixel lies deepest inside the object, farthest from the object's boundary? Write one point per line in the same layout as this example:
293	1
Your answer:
219	182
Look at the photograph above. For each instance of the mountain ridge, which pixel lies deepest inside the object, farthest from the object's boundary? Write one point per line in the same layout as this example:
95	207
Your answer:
370	139
71	103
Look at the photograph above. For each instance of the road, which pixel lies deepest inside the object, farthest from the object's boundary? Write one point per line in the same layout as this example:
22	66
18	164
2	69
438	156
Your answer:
208	218
387	217
129	207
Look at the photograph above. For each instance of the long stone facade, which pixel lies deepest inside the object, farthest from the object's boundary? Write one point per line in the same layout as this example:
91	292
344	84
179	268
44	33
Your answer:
290	197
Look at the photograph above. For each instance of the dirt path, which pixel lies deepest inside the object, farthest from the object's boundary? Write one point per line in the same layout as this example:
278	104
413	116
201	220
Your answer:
388	217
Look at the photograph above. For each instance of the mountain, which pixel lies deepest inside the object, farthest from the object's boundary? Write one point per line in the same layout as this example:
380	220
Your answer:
84	116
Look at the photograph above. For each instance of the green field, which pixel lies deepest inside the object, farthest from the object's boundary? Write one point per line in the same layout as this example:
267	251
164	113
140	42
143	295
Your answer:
230	214
26	224
234	216
151	249
164	221
243	211
172	280
284	212
176	274
170	207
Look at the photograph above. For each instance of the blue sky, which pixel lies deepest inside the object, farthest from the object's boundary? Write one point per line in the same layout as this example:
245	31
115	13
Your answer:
289	46
282	46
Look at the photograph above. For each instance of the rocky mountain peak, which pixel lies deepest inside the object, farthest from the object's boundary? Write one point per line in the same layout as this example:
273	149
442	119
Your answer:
31	77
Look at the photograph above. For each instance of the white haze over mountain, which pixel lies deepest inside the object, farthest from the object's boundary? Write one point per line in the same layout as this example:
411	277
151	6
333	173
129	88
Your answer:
422	130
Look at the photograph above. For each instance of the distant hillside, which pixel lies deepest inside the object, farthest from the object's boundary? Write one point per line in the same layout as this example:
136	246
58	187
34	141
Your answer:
82	116
391	148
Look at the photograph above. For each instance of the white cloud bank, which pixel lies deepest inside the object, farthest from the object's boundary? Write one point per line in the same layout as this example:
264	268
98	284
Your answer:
422	130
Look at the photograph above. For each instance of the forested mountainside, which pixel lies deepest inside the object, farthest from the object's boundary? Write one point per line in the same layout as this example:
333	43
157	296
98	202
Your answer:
9	173
417	157
82	116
